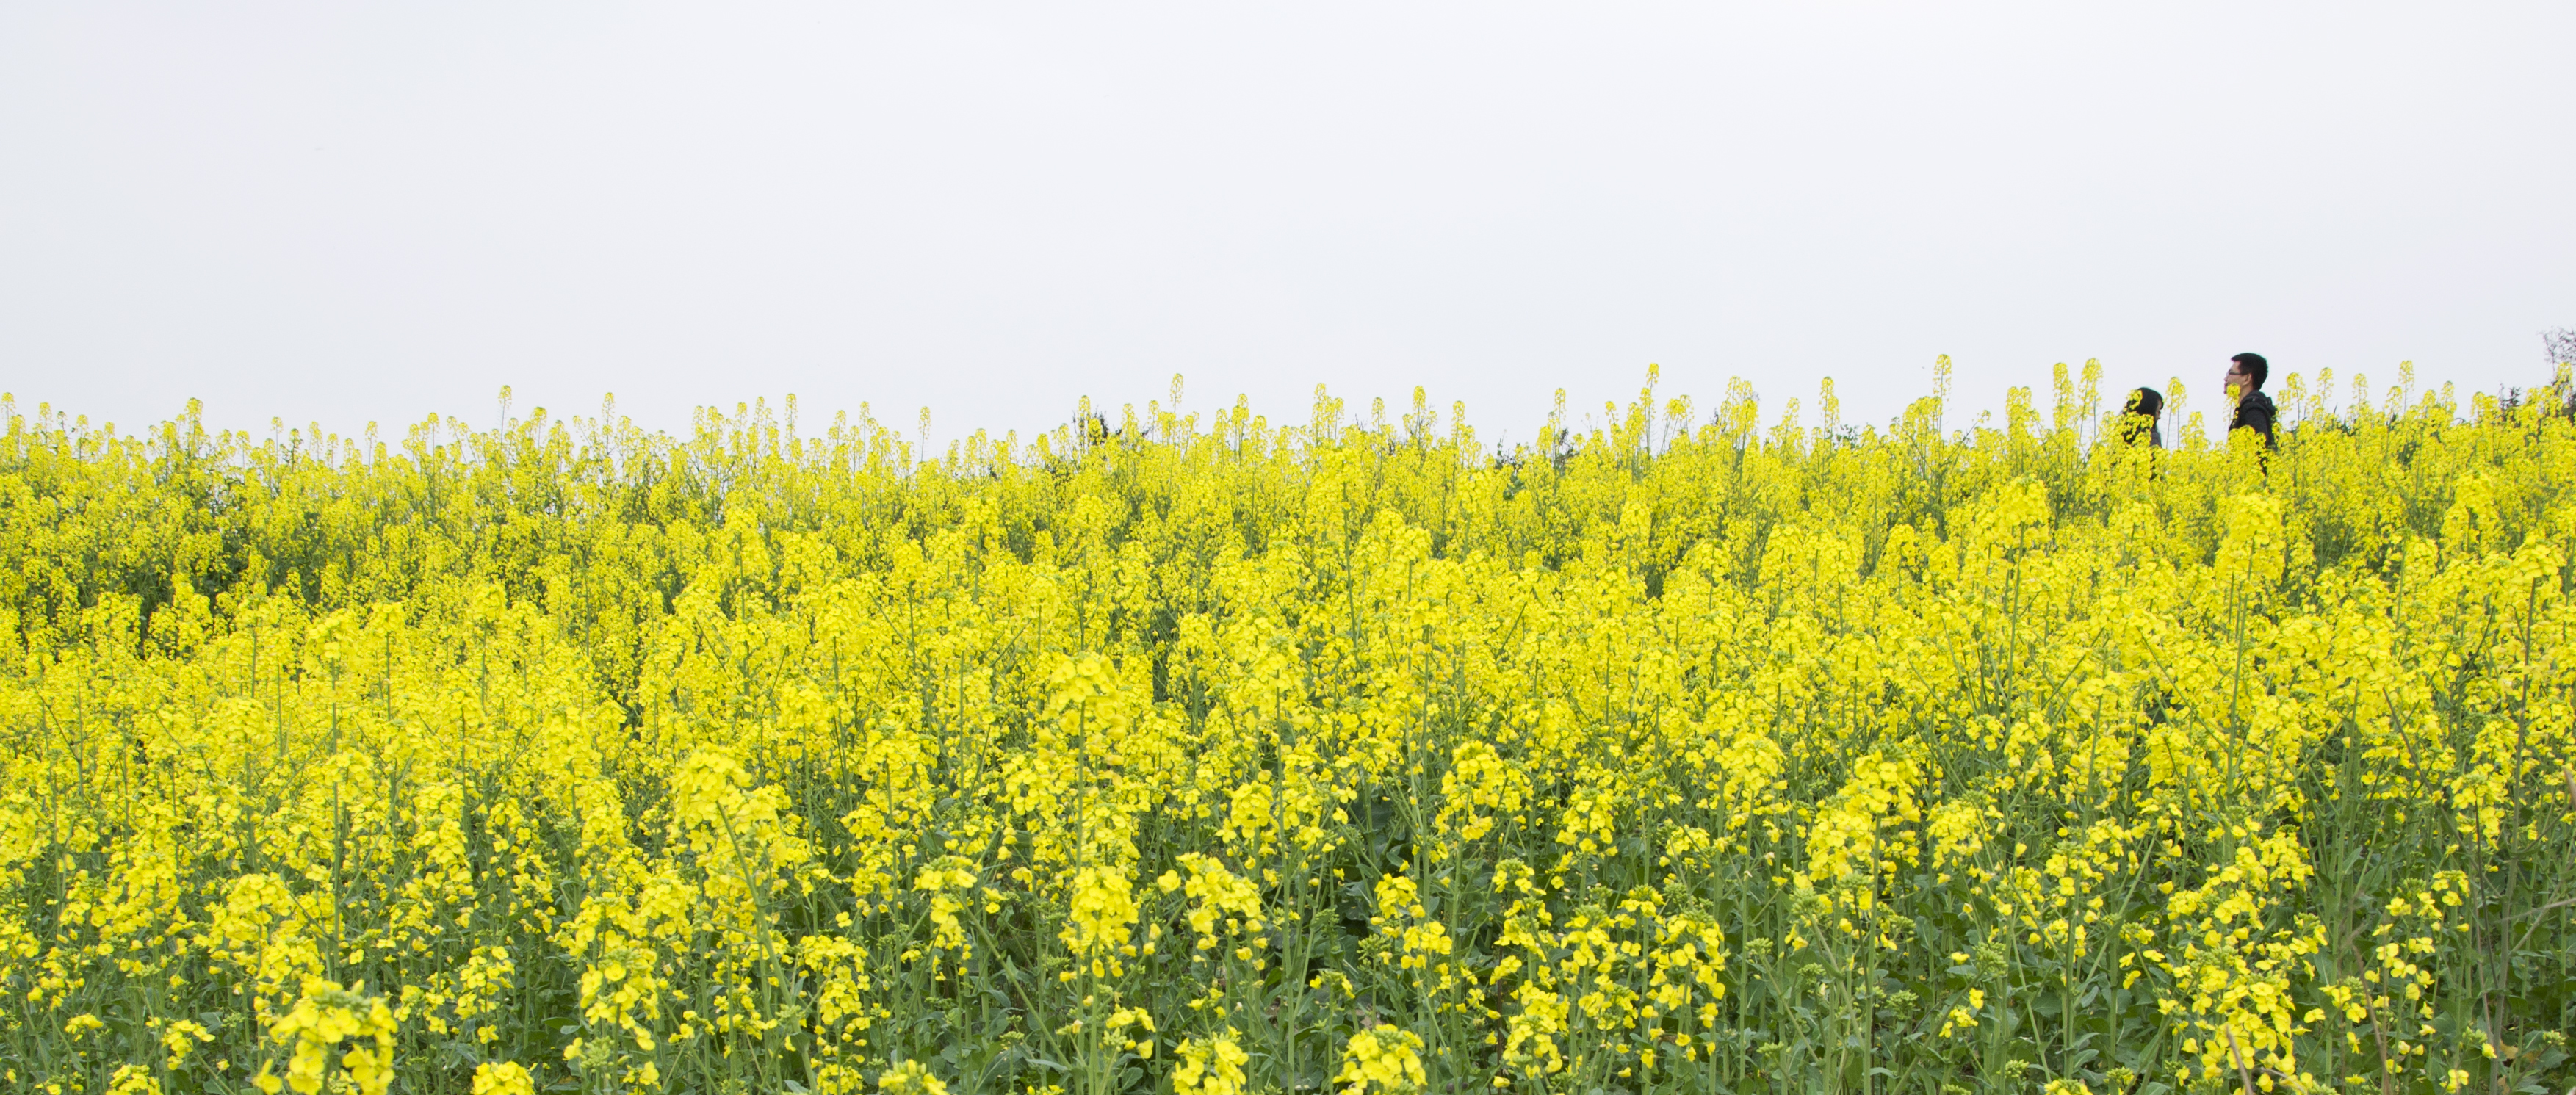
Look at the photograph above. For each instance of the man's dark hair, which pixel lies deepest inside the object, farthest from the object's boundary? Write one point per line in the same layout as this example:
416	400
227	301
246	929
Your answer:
2256	369
2146	401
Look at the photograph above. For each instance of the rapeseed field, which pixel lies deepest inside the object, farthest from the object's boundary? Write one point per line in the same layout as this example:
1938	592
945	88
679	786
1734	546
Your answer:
1690	751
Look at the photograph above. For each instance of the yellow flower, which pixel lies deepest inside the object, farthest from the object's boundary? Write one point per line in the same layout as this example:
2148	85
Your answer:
1102	912
1382	1059
910	1078
1211	1066
323	1017
502	1078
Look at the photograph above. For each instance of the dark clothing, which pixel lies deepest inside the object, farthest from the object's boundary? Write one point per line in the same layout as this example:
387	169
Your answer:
2141	429
2255	414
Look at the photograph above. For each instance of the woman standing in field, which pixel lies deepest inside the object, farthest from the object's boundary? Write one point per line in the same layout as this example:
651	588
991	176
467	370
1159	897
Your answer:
2140	419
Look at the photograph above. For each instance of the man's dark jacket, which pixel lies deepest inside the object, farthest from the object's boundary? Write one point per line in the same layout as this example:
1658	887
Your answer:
2255	414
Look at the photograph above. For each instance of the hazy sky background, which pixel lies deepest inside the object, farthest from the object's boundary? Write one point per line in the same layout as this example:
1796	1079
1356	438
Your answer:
370	212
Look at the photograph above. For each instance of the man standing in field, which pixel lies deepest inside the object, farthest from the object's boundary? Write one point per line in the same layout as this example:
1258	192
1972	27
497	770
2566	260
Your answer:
2244	386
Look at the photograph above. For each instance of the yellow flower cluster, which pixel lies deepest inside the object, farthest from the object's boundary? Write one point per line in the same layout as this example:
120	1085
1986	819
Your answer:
1681	751
1211	1066
321	1019
1381	1060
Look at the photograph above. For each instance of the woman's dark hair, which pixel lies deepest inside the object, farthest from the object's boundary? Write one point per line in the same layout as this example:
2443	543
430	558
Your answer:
2138	419
2256	369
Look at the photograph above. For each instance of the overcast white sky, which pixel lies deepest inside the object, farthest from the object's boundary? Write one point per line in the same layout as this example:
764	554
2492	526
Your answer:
370	212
